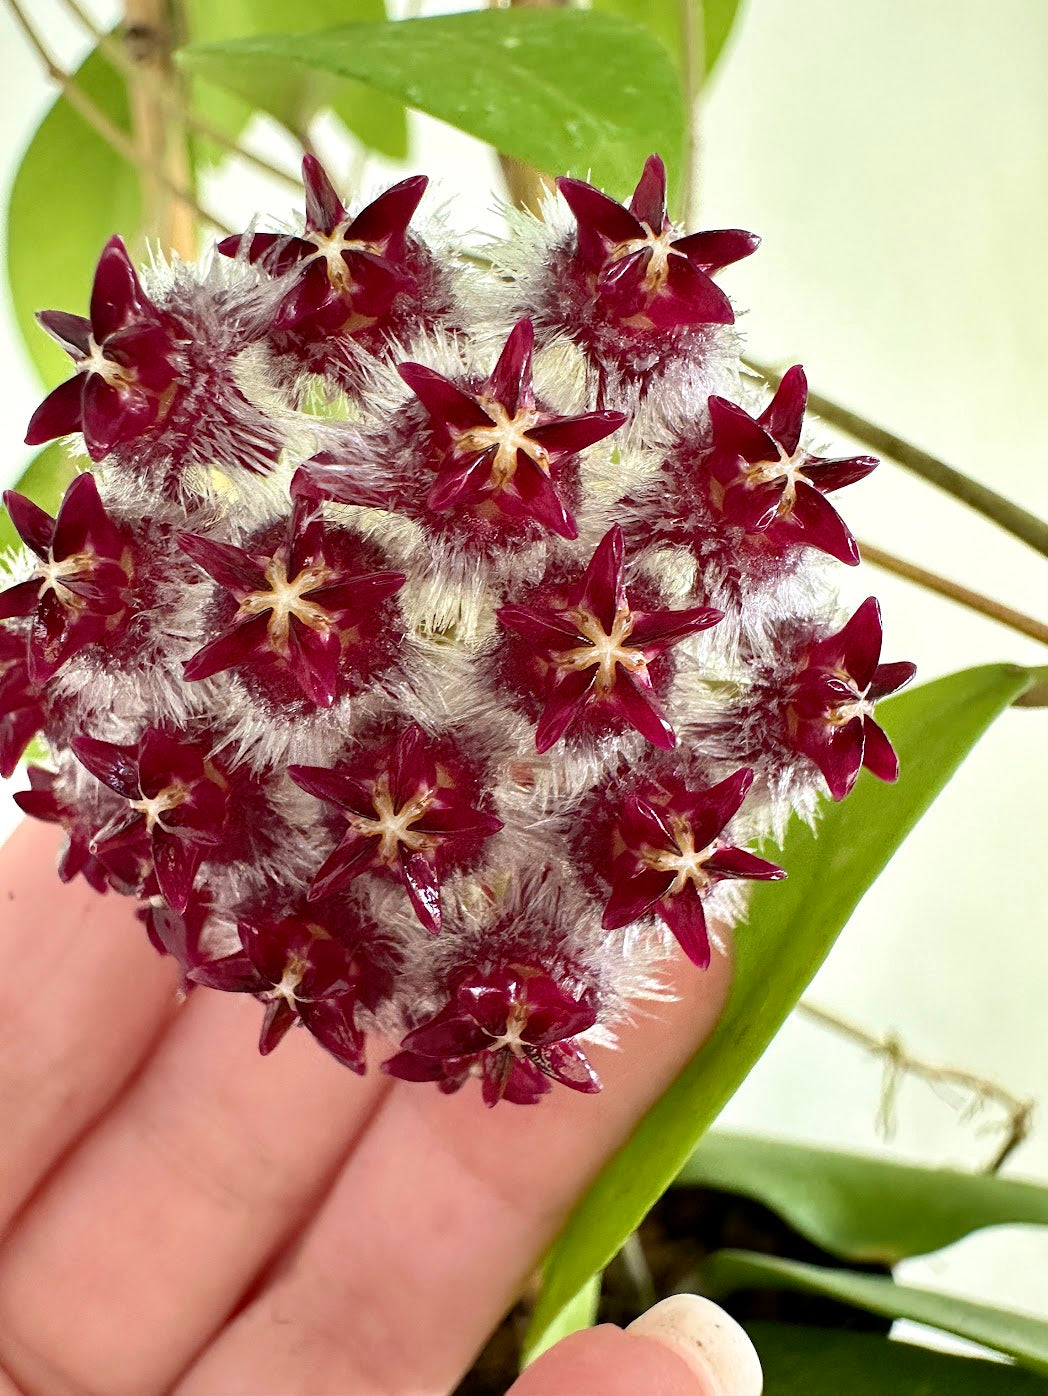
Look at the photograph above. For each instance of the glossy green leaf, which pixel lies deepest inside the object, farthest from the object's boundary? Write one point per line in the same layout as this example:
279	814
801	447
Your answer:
293	96
1019	1335
790	929
44	480
801	1361
858	1207
71	193
580	1313
663	18
563	90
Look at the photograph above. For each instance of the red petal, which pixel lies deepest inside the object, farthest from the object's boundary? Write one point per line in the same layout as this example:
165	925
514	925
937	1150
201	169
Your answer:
175	861
735	432
642	710
423	886
538	499
276	252
690	298
331	1021
450	408
602	222
718	247
353	855
117	295
860	643
246	643
567	435
654	631
82	520
784	415
72	332
115	766
889	678
567	700
738	863
19	600
548	630
708	811
684	916
60	413
649	198
329	785
279	1016
567	1064
554	1014
838	754
324	209
385	220
878	754
113	415
634	897
602	592
815	522
449	1034
313	659
510	380
231	567
827	475
462	484
35	527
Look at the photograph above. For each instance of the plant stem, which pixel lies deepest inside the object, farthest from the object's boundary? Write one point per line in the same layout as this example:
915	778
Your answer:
898	1061
691	21
975	601
165	91
113	136
1011	517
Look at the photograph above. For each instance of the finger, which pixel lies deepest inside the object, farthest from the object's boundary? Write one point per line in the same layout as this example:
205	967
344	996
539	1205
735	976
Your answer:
435	1222
82	998
684	1346
147	1237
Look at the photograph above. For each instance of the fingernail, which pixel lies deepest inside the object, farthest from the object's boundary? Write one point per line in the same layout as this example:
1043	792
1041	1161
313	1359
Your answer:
713	1345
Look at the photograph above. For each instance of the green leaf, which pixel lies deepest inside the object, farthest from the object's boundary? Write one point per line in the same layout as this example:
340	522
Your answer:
292	96
791	927
800	1361
44	481
1020	1335
663	18
580	1313
858	1207
563	90
71	193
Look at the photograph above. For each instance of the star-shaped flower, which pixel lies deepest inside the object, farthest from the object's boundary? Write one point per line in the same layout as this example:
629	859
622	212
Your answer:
301	973
767	483
402	812
511	1027
78	592
644	277
297	606
348	267
124	357
177	798
597	649
672	854
22	709
496	446
830	709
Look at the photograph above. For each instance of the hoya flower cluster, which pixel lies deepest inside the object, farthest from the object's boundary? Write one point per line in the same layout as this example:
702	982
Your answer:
429	642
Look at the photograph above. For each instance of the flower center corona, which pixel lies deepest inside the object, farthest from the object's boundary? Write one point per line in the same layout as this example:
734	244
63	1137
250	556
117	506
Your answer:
604	650
285	599
509	435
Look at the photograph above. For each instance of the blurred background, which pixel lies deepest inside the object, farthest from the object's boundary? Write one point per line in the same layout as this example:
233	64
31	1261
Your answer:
894	158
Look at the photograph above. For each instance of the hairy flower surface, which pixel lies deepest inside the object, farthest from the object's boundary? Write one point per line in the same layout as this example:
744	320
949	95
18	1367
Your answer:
428	646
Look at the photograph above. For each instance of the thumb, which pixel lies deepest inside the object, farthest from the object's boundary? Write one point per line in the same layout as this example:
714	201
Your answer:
684	1346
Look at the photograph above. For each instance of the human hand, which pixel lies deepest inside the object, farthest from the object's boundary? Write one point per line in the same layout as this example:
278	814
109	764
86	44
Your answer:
182	1215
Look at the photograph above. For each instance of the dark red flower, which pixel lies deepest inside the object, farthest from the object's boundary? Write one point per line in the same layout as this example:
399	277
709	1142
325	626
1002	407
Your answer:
22	709
496	447
124	356
177	798
512	1027
296	606
79	591
672	854
300	973
829	712
42	801
401	812
643	276
764	481
597	649
349	270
